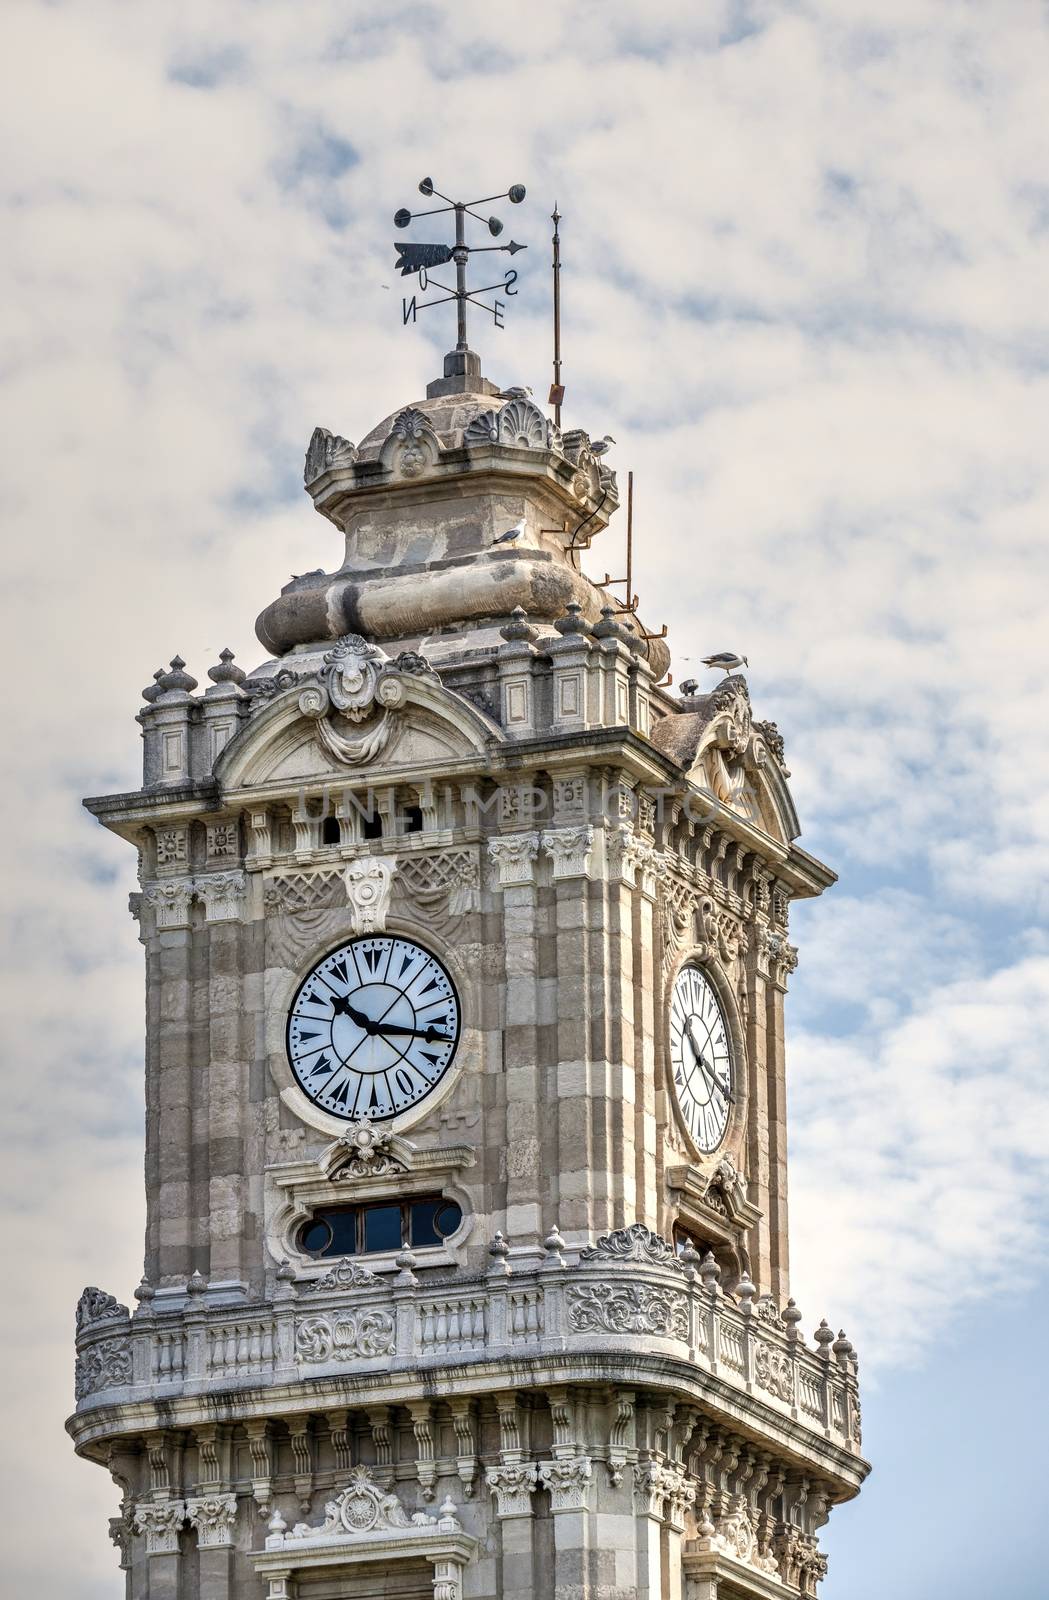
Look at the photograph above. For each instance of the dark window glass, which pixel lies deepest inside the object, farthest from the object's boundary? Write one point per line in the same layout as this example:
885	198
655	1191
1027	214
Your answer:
413	819
373	826
382	1228
344	1233
316	1236
423	1230
331	832
449	1215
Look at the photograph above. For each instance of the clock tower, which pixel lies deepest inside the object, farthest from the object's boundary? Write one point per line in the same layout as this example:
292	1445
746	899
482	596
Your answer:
466	946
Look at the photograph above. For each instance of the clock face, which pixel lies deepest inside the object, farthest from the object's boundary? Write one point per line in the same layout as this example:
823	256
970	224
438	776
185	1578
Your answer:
374	1028
700	1059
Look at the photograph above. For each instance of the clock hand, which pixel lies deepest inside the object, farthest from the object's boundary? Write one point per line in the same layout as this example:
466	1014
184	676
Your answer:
430	1034
708	1072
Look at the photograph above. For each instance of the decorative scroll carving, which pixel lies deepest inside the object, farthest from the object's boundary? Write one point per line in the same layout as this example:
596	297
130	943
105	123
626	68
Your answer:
223	894
170	902
636	1243
627	1308
363	1507
570	850
773	1372
360	684
368	886
106	1365
368	1156
326	450
345	1274
95	1305
519	423
345	1336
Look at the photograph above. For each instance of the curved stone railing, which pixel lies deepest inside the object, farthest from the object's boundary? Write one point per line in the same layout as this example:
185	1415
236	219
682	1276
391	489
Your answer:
629	1292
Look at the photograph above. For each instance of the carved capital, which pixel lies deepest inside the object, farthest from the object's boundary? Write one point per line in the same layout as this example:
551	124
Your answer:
161	1522
223	894
213	1517
570	850
567	1482
515	856
170	902
513	1484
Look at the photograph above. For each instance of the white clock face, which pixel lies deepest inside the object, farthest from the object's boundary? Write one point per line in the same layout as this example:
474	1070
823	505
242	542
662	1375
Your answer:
700	1059
374	1028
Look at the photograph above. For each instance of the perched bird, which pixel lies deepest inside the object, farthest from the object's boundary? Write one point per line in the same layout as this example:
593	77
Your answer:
516	393
600	447
511	534
689	687
725	661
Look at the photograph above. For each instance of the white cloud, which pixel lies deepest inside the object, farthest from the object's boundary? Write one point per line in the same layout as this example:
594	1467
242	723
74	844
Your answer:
804	288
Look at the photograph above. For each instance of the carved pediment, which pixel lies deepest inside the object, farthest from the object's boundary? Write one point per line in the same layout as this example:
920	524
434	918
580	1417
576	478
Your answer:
359	714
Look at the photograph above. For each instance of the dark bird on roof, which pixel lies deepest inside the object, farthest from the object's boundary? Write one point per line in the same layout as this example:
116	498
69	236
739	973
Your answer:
725	661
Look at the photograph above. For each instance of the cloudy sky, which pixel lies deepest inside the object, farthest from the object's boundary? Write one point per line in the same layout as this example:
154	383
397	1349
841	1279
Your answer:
806	254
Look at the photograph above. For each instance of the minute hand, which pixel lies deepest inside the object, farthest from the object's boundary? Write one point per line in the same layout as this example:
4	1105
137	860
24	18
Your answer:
708	1072
431	1035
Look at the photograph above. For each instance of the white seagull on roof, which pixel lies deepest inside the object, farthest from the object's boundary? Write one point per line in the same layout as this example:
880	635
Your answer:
600	447
725	661
511	534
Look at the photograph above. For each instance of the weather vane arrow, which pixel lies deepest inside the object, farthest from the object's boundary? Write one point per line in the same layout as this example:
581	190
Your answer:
422	258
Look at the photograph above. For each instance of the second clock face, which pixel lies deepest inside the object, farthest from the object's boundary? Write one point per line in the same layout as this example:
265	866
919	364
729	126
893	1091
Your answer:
700	1058
373	1028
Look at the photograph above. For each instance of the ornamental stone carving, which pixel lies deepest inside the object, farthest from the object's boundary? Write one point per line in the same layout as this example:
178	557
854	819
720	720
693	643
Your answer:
368	1155
345	1274
325	451
95	1305
170	903
213	1517
519	423
570	850
450	875
515	856
774	1373
627	1308
369	882
358	684
513	1484
636	1243
105	1365
567	1482
161	1521
345	1336
417	442
223	894
364	1507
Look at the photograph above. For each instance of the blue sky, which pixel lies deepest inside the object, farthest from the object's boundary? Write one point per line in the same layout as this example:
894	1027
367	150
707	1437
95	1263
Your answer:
806	248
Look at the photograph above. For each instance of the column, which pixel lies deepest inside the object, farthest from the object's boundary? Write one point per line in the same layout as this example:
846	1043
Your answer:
515	857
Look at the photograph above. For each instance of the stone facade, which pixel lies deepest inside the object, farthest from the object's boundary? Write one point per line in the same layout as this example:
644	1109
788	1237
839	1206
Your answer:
595	1385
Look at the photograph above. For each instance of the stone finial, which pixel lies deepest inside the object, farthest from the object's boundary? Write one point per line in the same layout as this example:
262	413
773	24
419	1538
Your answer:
824	1337
745	1292
153	691
690	1258
792	1317
609	627
144	1295
573	620
499	1250
197	1284
710	1272
407	1261
225	671
843	1348
177	678
518	628
553	1244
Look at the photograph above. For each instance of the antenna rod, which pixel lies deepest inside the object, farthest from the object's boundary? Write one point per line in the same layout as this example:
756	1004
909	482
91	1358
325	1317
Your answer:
629	537
557	392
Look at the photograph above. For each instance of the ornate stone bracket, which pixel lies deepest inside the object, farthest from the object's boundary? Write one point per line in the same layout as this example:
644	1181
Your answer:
161	1521
513	1484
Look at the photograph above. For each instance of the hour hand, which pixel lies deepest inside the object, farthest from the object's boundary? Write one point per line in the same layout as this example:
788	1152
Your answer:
430	1034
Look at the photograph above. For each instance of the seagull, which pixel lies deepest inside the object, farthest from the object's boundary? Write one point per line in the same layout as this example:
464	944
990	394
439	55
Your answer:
600	447
516	393
511	534
725	661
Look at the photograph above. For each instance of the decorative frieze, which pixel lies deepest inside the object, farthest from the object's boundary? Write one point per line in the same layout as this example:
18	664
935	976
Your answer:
105	1364
627	1308
223	840
172	848
346	1336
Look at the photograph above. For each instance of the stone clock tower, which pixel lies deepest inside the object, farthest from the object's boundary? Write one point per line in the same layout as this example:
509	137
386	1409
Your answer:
466	945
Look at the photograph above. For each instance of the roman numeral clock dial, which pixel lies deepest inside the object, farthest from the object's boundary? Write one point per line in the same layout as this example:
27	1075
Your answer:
374	1028
700	1059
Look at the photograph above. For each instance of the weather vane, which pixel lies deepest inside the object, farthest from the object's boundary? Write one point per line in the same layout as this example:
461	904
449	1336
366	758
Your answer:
422	258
